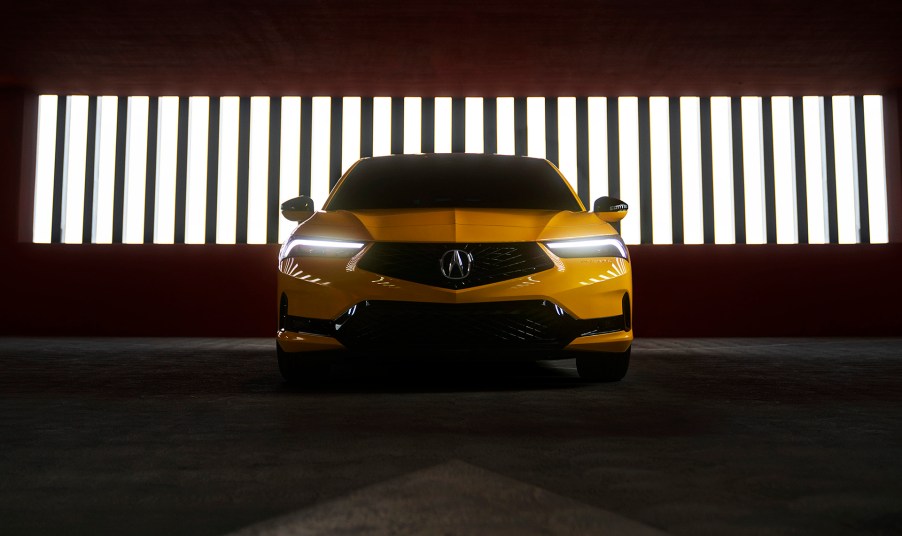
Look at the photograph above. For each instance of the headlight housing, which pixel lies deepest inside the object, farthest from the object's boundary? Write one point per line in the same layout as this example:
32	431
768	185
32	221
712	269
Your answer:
600	246
300	246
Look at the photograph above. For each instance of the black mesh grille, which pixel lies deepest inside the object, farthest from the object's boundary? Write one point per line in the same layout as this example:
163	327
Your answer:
421	262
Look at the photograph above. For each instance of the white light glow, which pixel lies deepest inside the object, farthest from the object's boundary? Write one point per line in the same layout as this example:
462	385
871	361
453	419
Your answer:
167	150
506	136
73	202
44	164
876	166
319	149
413	115
784	172
381	126
474	140
846	169
443	124
722	168
258	173
535	127
289	156
815	169
598	147
198	145
227	188
629	167
106	169
135	170
350	132
571	244
566	135
662	222
753	170
690	123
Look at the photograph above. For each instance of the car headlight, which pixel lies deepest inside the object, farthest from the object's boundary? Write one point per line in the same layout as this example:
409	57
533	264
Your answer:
603	246
318	247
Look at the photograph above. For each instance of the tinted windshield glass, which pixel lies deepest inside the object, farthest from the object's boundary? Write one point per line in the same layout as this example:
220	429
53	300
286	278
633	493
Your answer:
453	180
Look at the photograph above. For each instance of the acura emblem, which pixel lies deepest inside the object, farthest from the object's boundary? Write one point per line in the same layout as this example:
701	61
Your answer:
456	264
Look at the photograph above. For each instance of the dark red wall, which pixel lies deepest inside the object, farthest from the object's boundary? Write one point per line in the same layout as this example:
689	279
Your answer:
227	290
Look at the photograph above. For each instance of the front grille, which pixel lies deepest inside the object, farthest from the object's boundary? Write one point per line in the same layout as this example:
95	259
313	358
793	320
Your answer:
381	325
421	262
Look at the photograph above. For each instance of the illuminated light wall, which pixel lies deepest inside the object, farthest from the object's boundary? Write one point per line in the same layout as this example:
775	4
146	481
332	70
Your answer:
721	170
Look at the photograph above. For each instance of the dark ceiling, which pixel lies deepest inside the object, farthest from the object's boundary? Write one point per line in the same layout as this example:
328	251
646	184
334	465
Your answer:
488	47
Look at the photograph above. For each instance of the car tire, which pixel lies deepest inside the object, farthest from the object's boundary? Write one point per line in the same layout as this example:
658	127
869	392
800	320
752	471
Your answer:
299	368
603	366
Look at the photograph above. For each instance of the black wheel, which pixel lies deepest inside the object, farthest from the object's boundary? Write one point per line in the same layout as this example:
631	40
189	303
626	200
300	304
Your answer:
302	368
604	367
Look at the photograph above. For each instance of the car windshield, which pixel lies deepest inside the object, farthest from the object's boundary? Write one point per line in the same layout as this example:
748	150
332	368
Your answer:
453	180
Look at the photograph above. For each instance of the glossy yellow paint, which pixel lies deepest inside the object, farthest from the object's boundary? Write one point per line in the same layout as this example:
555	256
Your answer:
326	287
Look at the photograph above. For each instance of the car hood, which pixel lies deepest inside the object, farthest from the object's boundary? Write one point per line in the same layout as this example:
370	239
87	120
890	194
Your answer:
453	225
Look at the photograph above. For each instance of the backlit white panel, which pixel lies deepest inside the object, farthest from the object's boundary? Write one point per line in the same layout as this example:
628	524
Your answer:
474	140
135	170
506	137
535	127
693	232
846	170
598	147
350	132
784	172
381	126
289	154
258	172
105	169
167	151
196	201
662	223
319	150
722	168
815	169
74	177
227	188
876	165
753	170
443	124
43	176
566	135
413	125
629	167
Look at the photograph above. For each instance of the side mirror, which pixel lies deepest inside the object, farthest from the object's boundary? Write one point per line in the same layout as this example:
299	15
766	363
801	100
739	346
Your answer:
297	209
610	209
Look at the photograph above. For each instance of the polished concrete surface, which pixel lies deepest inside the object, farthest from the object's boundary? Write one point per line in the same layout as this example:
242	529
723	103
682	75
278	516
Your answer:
200	436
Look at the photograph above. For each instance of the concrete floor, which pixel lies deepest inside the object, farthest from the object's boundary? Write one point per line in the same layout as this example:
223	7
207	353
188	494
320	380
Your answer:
199	436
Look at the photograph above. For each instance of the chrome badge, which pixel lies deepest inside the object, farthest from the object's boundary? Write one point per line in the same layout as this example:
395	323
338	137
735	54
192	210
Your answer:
456	264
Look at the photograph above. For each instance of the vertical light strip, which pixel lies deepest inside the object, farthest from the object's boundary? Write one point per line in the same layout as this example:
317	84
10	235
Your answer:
381	126
784	172
74	183
693	232
598	147
258	171
105	169
722	170
43	177
227	189
319	150
876	165
753	170
505	125
474	139
135	166
167	136
350	128
289	159
443	124
629	167
413	117
662	218
846	170
815	169
566	132
196	199
535	127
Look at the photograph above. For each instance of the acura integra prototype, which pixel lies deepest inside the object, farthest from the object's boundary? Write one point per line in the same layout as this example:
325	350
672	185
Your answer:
454	255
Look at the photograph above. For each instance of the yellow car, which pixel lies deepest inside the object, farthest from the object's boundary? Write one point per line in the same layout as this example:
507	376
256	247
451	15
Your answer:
460	255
